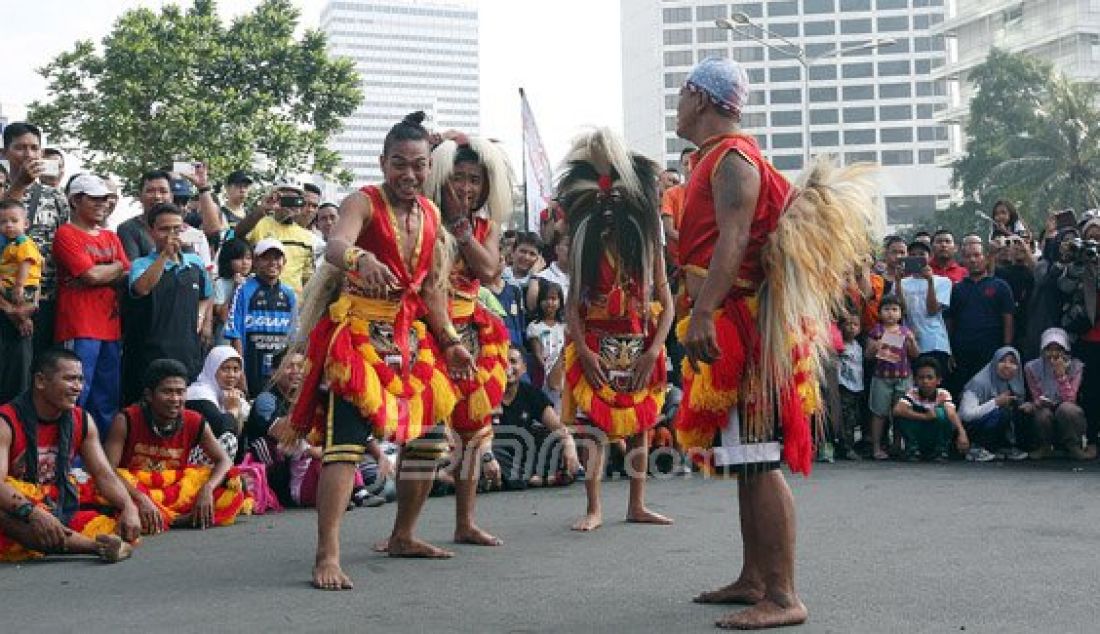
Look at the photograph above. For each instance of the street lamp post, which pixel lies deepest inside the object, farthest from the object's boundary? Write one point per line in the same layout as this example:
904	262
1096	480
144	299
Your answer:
739	20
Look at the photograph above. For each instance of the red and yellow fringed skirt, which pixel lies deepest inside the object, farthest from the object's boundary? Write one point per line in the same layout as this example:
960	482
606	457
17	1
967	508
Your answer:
174	491
352	353
712	392
88	520
486	336
615	411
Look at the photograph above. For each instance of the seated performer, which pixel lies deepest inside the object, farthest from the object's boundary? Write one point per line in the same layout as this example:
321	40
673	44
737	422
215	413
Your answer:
615	362
371	348
471	183
764	267
150	443
43	509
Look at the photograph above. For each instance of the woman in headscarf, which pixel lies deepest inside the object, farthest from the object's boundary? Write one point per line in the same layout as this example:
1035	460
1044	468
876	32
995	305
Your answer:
993	404
1054	380
218	394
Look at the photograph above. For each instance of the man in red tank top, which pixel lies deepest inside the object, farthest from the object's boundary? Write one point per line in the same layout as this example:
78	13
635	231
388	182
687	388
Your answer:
151	444
733	202
43	510
376	353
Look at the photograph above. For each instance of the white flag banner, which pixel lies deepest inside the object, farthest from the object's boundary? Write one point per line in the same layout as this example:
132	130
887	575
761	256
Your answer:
538	177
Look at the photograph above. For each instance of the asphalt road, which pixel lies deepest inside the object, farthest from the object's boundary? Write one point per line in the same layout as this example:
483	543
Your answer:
882	548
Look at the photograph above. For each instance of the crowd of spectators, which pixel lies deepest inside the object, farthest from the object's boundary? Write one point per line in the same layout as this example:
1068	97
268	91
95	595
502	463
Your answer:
976	347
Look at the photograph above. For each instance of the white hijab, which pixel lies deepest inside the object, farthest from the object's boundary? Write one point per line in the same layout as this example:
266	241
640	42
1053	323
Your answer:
206	387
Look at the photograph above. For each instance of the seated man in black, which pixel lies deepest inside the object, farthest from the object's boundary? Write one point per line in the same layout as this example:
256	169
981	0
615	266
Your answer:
520	435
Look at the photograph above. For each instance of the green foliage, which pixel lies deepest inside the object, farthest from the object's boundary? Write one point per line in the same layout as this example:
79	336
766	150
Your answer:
1033	138
182	85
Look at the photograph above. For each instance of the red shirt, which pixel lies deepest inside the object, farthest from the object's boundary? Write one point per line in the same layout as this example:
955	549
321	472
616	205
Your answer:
1092	335
146	451
953	271
86	312
699	224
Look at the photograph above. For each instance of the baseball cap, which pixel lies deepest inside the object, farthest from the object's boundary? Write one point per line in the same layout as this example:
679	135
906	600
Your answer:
287	183
267	244
88	184
181	188
238	177
723	81
1054	335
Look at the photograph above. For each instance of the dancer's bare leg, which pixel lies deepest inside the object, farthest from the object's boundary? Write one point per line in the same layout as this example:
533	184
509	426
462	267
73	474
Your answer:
333	492
748	588
637	455
596	454
109	548
469	472
774	529
414	483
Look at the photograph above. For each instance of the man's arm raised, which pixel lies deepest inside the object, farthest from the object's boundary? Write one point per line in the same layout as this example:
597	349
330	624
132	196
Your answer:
736	187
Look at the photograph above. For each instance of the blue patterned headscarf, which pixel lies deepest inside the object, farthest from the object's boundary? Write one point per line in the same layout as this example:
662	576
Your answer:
723	81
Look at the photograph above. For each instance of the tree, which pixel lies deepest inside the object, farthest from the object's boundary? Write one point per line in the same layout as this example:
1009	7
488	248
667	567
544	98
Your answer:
1009	91
1057	160
181	85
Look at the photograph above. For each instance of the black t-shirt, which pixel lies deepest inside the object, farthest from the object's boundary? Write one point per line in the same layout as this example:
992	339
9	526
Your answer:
135	238
526	410
219	421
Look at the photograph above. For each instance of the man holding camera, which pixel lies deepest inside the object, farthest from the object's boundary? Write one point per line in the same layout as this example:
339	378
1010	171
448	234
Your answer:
277	218
47	209
1082	280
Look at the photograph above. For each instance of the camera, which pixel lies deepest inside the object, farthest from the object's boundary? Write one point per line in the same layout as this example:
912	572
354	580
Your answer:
292	201
1084	251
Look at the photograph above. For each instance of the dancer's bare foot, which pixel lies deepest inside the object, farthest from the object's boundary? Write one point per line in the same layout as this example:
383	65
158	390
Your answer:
589	522
646	516
477	537
416	548
736	593
327	575
765	614
112	549
382	546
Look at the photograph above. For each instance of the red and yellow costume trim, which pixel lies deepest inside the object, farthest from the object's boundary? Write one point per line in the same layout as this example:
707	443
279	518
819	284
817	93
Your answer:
401	404
619	310
482	395
175	491
87	521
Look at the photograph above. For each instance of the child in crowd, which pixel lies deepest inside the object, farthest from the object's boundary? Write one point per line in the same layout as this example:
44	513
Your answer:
20	261
891	345
234	267
546	339
850	378
927	418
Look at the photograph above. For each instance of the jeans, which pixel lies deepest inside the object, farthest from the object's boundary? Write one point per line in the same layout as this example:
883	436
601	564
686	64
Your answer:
102	379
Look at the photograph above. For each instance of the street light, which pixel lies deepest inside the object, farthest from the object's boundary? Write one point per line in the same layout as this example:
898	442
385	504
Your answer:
738	20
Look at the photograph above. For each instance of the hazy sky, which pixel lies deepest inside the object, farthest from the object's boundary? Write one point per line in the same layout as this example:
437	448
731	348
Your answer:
565	53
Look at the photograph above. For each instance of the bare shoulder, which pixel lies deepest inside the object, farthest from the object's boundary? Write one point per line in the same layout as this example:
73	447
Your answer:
356	204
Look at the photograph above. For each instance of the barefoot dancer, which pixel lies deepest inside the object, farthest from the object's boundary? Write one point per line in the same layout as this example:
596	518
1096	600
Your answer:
615	363
764	267
372	352
471	183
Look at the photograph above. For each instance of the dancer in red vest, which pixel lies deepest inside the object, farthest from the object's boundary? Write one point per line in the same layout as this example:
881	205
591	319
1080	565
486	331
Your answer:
471	183
374	364
764	266
619	312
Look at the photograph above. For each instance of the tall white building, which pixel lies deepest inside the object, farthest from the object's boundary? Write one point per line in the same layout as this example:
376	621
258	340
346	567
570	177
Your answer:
411	55
872	105
1066	33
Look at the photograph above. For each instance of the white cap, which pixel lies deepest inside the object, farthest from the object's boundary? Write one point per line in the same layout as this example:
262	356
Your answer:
267	244
287	183
88	184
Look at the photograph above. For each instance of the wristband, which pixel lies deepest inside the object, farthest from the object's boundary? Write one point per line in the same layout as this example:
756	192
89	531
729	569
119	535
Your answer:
352	255
23	512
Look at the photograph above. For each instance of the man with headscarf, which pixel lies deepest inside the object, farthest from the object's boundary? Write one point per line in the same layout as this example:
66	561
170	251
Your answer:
763	265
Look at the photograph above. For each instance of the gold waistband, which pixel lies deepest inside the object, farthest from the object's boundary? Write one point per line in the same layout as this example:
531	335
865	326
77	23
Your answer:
700	272
599	311
462	306
365	308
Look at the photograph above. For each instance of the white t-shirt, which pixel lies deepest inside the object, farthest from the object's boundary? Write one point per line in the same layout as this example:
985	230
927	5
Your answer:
552	339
